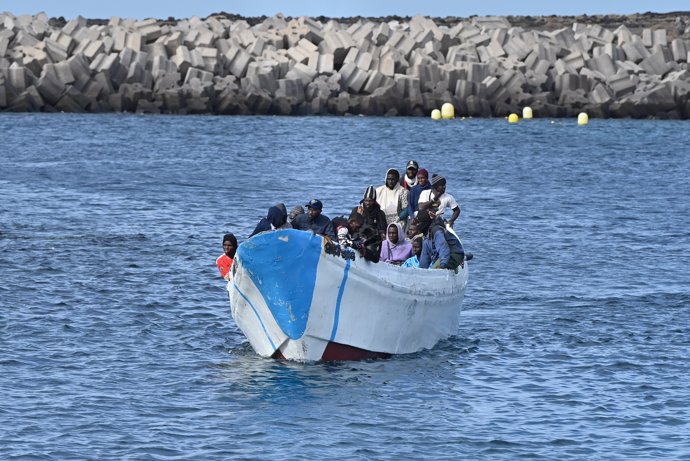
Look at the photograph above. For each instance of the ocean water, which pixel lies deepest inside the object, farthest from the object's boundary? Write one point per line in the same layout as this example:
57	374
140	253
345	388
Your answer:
116	340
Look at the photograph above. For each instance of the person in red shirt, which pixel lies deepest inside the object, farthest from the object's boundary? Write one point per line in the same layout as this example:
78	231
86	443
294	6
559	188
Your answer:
224	261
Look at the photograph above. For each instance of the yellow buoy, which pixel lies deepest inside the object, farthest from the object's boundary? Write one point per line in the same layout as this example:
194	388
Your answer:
527	113
513	118
447	111
435	114
582	118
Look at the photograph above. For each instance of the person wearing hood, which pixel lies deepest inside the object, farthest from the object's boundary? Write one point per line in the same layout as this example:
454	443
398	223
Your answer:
275	219
416	191
224	261
392	198
441	249
371	212
314	221
409	180
396	249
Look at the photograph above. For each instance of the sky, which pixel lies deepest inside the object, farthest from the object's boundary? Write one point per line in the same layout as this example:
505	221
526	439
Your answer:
140	9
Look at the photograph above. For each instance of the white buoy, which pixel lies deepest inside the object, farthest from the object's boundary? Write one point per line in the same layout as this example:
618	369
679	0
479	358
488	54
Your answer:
513	118
447	111
527	113
582	119
435	114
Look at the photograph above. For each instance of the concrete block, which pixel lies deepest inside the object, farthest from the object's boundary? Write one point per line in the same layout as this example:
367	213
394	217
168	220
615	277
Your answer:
381	34
629	67
201	75
239	63
621	85
477	72
49	86
4	44
133	41
516	47
93	49
325	64
464	89
182	59
659	37
338	44
63	71
73	25
576	60
604	64
656	64
565	83
678	50
79	66
301	72
55	51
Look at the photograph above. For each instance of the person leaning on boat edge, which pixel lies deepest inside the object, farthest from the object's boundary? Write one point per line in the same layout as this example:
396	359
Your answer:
314	221
224	261
436	200
440	249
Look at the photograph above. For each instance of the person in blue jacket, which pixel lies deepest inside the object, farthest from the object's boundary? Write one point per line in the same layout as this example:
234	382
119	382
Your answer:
440	249
416	191
314	221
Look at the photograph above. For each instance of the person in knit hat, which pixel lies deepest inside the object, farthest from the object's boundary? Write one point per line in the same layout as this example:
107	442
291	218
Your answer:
413	196
436	200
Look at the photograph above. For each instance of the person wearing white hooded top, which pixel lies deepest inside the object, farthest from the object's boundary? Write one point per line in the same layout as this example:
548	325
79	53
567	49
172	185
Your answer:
392	198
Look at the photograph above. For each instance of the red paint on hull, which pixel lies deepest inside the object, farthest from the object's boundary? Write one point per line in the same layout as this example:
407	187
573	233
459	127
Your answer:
337	352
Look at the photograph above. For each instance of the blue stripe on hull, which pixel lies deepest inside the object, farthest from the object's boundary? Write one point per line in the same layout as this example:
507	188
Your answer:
258	317
340	299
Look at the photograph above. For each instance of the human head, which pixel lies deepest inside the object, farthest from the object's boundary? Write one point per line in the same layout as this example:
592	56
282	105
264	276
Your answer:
393	232
411	169
229	245
392	178
355	222
423	221
412	229
422	177
438	183
369	197
296	211
276	216
314	208
417	246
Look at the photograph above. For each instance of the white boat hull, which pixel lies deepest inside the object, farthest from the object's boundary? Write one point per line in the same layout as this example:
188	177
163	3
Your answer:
291	299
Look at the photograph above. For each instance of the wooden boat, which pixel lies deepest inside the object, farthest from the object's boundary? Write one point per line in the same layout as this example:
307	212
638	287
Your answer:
294	300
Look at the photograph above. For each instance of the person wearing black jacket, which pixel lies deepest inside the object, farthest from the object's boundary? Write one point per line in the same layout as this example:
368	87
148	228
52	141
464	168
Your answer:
371	211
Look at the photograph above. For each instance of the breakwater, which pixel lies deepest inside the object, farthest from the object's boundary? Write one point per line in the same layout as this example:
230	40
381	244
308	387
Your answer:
223	64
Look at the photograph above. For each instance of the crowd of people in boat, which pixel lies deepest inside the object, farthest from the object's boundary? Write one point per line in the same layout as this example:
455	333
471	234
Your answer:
400	222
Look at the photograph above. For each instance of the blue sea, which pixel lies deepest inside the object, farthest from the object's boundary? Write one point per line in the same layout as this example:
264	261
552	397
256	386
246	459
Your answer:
116	339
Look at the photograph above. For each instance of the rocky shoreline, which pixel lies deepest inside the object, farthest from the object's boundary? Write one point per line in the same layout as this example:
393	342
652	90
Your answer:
608	66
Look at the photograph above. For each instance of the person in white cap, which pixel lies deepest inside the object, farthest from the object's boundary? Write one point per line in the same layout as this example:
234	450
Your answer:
410	178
